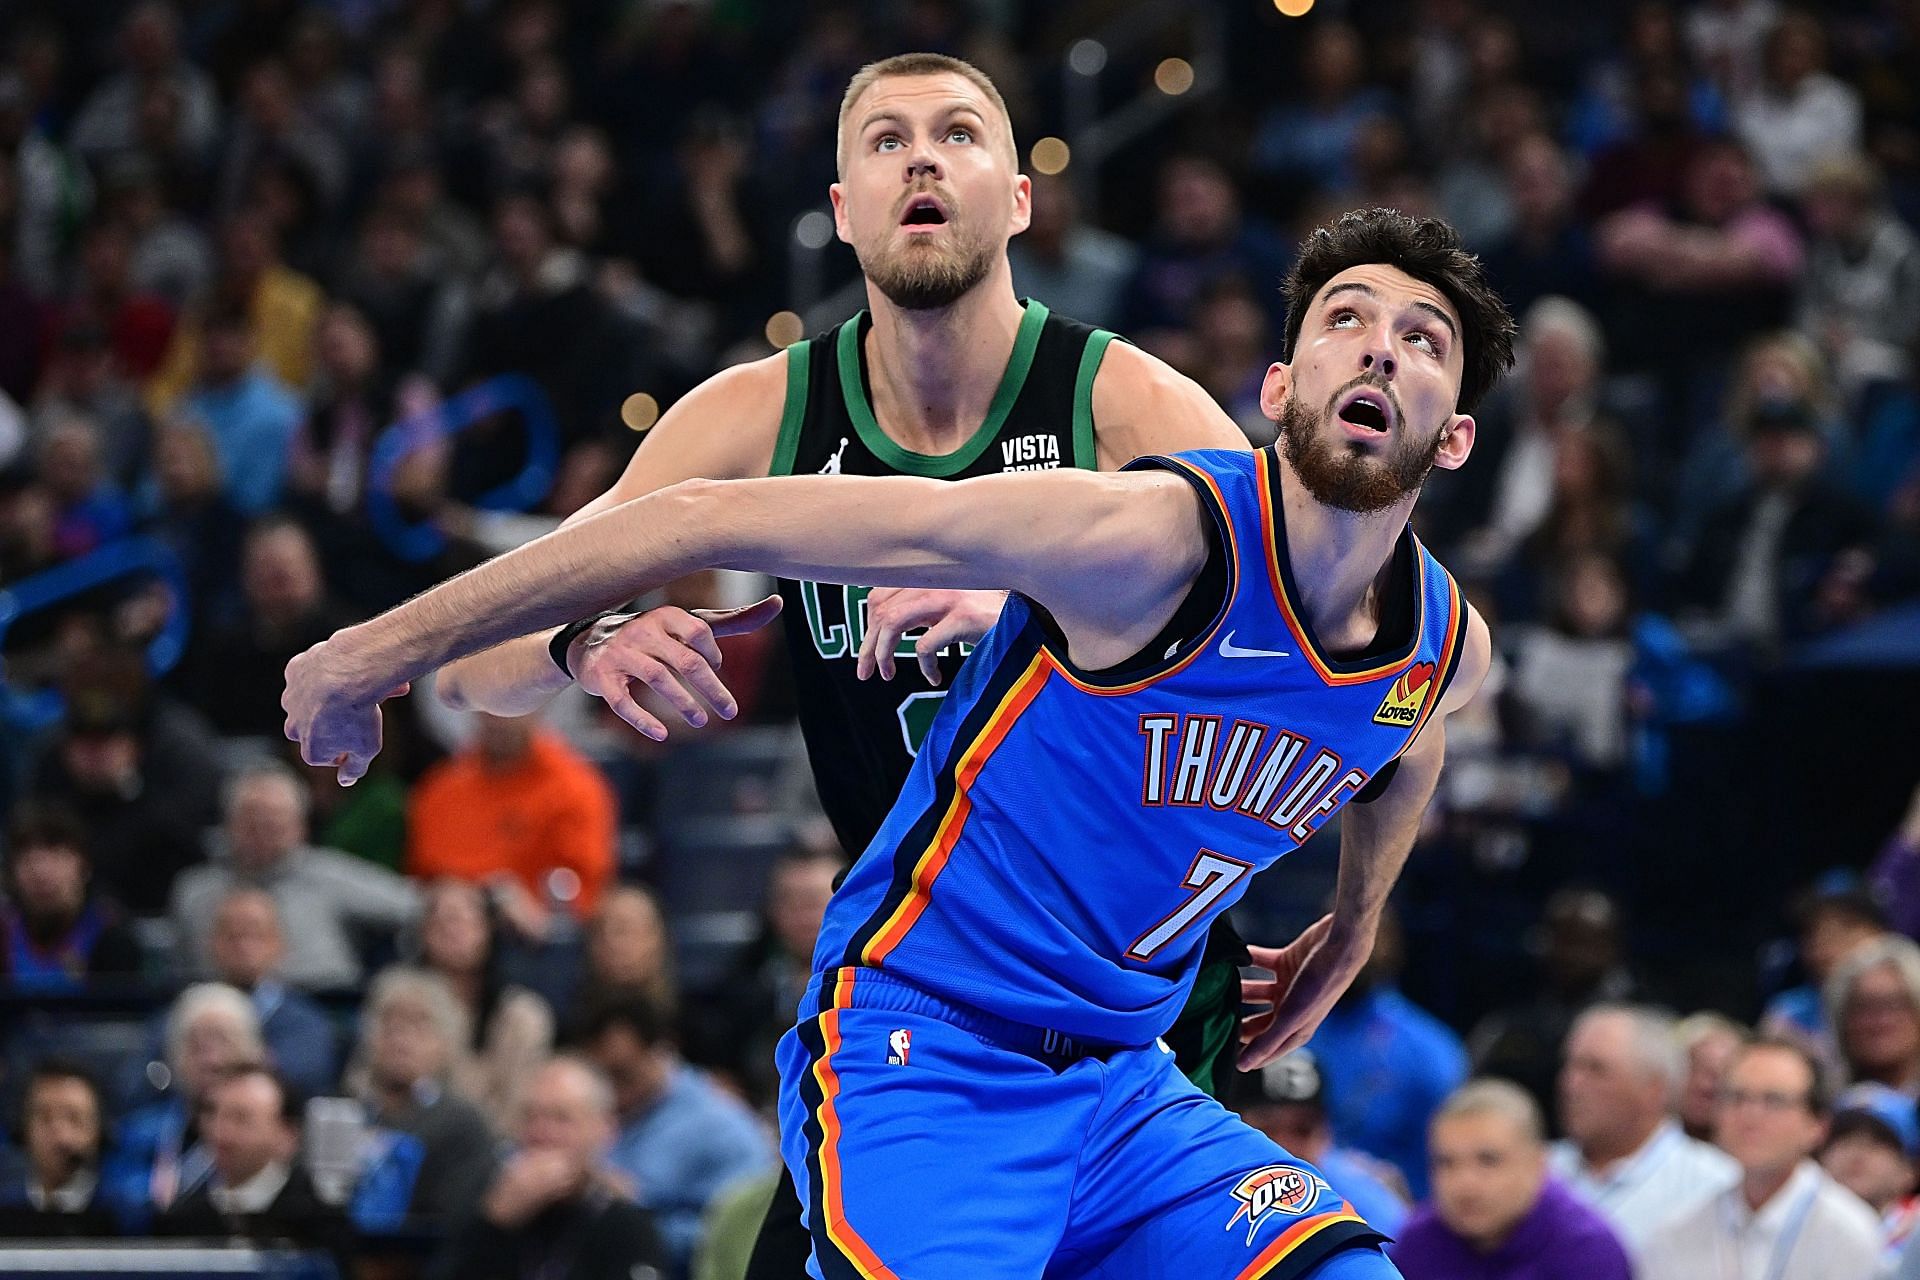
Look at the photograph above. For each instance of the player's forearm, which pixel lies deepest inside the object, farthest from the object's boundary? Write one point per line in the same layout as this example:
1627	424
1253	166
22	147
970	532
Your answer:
512	679
879	532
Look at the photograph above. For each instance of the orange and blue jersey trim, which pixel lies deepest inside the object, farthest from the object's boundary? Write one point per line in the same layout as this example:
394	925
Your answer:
1451	648
1280	575
851	1257
1308	1242
922	854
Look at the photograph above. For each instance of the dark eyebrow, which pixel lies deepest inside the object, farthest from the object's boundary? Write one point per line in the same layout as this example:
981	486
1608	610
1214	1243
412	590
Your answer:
1355	286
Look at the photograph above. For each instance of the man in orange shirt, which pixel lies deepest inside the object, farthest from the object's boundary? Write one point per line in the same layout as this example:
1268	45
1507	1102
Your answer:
521	812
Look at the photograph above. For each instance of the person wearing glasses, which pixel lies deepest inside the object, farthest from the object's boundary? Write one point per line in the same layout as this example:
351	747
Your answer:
1787	1219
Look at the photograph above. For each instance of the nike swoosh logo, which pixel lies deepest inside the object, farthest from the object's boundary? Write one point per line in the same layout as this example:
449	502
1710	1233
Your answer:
1228	649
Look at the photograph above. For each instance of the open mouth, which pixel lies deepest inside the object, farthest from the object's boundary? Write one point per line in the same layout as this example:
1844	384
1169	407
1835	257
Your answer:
924	211
1367	409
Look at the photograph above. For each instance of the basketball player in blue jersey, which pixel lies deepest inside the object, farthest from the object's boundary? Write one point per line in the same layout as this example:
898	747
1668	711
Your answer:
1205	657
947	375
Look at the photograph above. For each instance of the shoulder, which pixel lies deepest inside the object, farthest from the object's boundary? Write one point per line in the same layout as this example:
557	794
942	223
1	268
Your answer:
1143	405
1707	1158
1476	658
1853	1221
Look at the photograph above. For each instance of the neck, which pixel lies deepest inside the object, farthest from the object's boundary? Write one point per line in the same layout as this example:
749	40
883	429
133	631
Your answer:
1603	1152
466	986
1339	559
1761	1185
934	373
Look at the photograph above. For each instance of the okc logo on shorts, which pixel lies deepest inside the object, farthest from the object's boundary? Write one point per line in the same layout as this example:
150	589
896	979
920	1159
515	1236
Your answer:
898	1044
1275	1189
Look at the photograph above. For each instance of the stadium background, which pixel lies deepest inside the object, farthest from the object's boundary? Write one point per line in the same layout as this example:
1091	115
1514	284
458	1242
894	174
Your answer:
240	238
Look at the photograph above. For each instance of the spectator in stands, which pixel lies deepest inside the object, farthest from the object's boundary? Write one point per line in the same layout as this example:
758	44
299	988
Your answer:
108	122
354	404
1709	1042
522	812
1833	923
1074	267
256	294
324	895
1785	1212
89	509
63	1126
1312	143
1860	300
138	770
413	1034
512	1027
733	1028
133	326
82	381
1698	280
628	950
1286	1100
1896	872
1232	341
55	934
1201	235
1798	114
552	1213
1873	999
247	947
1496	1212
1580	964
1624	1154
235	671
250	415
186	508
256	1190
1767	560
681	1139
1394	1062
1549	250
172	257
162	1153
1865	1153
1570	685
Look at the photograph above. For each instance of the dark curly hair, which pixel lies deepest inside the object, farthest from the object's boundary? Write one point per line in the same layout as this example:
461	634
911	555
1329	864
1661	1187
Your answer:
1426	249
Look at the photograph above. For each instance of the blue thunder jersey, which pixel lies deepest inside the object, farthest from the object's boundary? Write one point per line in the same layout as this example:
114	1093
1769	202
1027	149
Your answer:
1065	838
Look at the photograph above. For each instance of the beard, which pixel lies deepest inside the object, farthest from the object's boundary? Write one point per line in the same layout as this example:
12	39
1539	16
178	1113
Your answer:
926	277
1345	476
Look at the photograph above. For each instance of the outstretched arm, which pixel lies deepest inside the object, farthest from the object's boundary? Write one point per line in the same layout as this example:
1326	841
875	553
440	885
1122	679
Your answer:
1375	840
1108	555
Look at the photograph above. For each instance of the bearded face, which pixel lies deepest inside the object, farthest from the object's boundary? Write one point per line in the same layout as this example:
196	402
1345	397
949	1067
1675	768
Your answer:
923	271
1347	474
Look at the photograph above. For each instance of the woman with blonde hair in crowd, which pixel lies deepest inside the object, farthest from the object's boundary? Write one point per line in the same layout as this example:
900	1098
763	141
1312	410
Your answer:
1873	999
511	1027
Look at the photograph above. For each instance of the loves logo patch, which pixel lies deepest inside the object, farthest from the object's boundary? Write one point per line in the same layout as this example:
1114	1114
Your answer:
1408	695
1275	1190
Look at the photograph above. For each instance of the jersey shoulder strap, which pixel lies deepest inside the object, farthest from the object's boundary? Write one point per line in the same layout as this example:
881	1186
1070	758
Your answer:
793	415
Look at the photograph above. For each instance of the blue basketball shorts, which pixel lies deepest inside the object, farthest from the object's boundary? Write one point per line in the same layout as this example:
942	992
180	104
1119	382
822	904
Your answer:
931	1141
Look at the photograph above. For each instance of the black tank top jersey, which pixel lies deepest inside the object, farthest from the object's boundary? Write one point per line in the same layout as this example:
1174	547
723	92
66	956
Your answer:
862	735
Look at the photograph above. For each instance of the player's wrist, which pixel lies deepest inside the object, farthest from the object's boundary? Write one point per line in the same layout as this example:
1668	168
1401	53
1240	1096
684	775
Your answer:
569	644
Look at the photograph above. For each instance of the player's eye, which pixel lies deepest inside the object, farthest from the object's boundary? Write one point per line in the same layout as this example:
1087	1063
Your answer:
1340	318
888	142
1421	335
960	132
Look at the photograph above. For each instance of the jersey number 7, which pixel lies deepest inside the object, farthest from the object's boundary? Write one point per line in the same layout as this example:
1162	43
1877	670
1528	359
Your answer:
1210	877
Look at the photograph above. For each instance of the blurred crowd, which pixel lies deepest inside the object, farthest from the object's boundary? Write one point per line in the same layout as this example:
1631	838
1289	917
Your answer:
268	269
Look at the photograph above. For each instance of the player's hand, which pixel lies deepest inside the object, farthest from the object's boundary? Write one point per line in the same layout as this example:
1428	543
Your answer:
1309	975
948	616
672	652
333	722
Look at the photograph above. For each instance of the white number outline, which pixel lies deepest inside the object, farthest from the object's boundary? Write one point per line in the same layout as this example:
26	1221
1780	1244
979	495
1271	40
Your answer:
1210	877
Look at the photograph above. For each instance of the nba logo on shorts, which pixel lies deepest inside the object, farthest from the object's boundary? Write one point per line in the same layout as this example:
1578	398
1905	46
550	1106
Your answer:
1275	1189
898	1044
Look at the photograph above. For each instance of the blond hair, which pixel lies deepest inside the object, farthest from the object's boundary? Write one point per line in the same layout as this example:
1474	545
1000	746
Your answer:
919	64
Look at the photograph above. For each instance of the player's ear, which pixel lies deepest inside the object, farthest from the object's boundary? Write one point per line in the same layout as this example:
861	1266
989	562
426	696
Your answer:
1275	389
1022	204
1456	442
839	201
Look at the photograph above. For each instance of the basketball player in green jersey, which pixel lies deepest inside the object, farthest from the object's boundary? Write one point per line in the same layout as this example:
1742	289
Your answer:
947	375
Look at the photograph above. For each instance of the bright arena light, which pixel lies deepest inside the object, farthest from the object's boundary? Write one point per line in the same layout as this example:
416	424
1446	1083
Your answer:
814	230
639	411
1050	156
1293	8
1087	57
784	328
1173	77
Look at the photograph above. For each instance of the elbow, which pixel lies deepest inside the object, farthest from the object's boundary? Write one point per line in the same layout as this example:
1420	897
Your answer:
452	690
